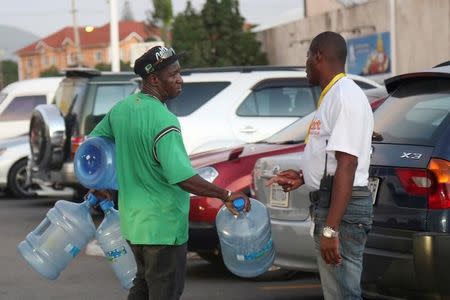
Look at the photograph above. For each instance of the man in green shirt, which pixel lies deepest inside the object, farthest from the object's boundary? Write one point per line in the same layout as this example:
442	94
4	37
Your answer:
155	177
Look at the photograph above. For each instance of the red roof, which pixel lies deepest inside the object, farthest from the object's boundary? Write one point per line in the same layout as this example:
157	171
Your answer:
98	37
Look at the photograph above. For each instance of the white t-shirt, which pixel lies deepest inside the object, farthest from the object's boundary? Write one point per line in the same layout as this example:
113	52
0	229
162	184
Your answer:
345	120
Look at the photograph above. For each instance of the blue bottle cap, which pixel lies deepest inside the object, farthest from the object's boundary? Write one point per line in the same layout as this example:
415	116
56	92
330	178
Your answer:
106	204
239	204
91	199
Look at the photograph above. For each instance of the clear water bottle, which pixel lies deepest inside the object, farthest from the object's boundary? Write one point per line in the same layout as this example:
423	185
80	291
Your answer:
245	240
94	164
116	249
56	241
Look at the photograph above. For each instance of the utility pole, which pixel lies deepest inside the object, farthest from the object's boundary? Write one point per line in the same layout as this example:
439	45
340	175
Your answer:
114	36
76	35
1	69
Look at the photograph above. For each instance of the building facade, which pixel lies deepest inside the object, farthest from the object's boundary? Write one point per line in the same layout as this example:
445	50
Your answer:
411	34
59	50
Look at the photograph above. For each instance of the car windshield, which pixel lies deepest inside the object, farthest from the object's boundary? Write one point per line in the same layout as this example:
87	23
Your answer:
293	133
2	97
416	113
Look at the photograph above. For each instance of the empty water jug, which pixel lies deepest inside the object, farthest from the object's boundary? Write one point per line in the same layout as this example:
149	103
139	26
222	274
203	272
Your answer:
55	242
94	164
245	240
116	249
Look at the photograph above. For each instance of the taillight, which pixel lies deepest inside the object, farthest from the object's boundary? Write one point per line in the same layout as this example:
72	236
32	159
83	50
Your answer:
439	196
76	141
414	181
433	183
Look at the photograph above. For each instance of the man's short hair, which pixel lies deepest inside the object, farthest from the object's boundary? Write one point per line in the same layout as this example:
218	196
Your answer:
331	44
155	59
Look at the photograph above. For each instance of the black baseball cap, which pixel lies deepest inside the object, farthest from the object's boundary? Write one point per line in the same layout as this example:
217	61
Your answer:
155	59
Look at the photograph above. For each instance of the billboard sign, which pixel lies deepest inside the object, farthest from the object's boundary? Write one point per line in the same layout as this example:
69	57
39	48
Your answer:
369	55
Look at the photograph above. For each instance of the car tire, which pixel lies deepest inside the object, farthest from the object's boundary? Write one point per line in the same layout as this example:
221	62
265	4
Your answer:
16	180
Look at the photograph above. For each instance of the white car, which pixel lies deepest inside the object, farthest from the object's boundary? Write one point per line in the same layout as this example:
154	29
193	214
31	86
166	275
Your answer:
17	101
228	106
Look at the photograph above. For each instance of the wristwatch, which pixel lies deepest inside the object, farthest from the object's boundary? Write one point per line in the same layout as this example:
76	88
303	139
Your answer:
329	232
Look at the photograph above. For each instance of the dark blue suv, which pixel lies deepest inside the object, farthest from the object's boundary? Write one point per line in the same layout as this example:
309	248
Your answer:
408	251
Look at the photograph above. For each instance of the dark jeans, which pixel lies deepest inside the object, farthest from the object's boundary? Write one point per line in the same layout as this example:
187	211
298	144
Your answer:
343	281
160	272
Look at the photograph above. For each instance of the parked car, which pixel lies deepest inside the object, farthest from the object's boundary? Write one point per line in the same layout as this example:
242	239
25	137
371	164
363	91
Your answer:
17	101
231	167
14	153
407	250
83	97
230	105
236	105
407	253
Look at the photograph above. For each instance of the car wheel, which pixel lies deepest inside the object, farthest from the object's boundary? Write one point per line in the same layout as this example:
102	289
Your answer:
17	181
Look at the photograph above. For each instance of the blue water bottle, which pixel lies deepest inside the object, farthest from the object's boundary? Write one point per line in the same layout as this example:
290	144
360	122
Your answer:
56	241
94	164
116	249
245	240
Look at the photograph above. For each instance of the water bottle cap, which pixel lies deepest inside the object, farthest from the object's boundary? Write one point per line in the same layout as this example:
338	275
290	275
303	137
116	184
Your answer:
106	204
239	204
91	199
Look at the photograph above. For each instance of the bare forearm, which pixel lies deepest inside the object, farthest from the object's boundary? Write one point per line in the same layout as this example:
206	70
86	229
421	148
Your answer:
198	186
342	188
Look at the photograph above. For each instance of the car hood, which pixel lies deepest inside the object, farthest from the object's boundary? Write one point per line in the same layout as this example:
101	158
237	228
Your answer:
211	157
14	141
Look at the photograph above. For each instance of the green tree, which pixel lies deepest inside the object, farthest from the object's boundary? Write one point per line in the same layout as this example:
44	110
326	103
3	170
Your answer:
8	72
52	71
216	37
161	16
190	35
127	13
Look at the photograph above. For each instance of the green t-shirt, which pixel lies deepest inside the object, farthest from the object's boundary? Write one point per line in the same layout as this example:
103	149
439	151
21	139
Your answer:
150	160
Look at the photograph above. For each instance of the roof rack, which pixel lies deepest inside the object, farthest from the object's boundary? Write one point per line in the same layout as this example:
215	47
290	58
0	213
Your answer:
241	69
83	72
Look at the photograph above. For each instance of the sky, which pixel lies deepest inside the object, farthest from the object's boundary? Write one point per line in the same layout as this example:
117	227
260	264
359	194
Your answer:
43	17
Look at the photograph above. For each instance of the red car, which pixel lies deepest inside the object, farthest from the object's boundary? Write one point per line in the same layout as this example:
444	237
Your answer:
231	168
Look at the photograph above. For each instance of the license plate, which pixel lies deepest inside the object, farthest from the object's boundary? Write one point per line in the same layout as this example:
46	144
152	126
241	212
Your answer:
373	187
278	197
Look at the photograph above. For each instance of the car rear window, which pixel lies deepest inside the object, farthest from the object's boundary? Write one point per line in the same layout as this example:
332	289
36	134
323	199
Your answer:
194	95
109	94
416	113
68	91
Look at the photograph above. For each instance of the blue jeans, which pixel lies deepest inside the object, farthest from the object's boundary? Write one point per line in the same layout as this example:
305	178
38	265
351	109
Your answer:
343	281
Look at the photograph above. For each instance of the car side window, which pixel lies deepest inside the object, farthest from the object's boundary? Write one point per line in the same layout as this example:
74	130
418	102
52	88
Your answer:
21	107
278	102
194	95
109	94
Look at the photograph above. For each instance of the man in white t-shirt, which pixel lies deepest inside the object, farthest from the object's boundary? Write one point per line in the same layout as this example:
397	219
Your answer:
336	163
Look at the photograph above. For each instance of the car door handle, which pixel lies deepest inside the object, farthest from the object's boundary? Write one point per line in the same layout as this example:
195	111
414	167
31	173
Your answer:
247	129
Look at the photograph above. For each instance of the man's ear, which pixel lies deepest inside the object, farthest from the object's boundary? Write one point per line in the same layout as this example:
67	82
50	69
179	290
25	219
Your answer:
153	79
318	56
